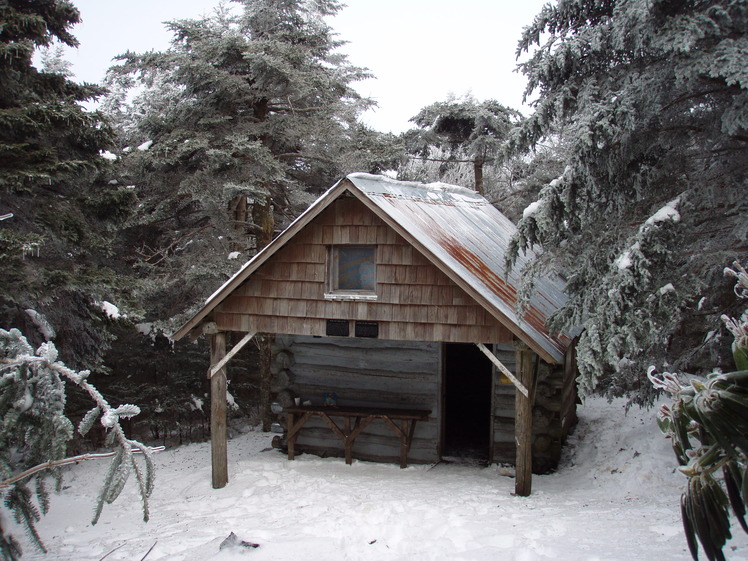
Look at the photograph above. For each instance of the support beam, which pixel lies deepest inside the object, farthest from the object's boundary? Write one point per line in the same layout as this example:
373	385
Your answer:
224	361
523	420
504	370
218	432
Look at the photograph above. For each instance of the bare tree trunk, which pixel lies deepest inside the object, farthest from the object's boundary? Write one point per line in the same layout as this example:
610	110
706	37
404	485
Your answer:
238	214
478	174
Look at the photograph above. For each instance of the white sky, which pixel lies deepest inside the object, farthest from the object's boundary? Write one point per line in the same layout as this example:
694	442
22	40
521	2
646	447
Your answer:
419	50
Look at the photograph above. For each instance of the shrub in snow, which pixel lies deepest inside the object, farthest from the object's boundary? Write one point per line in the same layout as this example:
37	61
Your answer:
708	424
34	432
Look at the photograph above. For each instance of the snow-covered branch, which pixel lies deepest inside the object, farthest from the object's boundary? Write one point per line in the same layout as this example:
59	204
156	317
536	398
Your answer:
34	431
59	463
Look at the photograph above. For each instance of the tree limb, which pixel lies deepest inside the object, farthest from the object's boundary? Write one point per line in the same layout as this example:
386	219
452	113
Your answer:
65	461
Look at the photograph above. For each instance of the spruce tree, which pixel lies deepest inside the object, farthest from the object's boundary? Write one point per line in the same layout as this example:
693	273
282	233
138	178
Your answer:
44	131
650	98
249	109
463	132
55	244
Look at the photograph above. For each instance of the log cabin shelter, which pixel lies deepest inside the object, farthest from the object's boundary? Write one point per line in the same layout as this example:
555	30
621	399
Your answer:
397	332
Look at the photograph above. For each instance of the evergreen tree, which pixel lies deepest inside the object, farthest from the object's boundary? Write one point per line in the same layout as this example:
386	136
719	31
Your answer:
45	133
651	98
244	112
56	247
463	131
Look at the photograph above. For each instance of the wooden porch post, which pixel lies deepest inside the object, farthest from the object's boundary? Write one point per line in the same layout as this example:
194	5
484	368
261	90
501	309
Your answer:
218	432
523	421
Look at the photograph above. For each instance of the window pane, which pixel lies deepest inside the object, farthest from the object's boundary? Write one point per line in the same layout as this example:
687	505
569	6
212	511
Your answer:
356	270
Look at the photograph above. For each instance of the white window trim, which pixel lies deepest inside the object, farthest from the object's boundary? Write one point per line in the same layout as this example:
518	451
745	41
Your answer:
364	296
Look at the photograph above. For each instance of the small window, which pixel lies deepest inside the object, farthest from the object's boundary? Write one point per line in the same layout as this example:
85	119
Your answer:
353	269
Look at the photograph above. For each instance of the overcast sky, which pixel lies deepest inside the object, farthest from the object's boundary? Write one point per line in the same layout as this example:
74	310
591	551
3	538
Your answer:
420	51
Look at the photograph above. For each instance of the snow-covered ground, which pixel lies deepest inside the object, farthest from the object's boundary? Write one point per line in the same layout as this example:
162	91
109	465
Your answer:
615	498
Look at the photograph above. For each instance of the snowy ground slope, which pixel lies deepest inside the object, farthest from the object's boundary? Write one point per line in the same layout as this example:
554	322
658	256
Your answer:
615	498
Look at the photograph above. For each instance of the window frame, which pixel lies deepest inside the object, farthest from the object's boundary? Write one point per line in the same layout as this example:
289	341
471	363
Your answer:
334	292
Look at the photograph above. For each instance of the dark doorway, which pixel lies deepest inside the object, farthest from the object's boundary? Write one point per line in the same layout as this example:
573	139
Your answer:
467	403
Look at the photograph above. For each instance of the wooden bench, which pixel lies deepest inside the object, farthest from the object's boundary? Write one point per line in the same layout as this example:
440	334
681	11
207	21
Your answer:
355	420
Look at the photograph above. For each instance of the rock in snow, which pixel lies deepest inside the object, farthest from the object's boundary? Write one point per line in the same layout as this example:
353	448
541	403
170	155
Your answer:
235	543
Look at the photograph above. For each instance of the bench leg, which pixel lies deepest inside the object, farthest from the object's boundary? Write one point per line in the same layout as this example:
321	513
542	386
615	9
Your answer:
294	426
291	442
404	443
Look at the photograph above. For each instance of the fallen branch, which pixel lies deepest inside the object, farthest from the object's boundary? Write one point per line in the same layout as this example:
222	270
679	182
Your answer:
112	551
147	553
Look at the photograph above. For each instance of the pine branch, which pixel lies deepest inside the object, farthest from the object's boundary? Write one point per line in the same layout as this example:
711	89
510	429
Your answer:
64	462
45	359
156	256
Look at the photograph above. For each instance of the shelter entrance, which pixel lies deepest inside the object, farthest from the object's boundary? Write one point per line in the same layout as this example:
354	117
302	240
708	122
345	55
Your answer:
467	388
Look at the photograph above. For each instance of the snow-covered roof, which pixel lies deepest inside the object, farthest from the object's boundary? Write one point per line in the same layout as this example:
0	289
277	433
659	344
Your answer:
460	232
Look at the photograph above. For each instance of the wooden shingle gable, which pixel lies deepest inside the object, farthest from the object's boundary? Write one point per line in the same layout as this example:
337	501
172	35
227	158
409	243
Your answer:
413	299
253	264
435	248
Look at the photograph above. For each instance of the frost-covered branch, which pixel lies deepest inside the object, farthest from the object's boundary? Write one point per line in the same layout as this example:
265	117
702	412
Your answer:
59	463
34	433
741	286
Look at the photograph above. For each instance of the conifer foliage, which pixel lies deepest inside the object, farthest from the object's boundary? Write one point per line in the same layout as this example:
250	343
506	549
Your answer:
55	249
249	107
650	98
464	131
44	131
34	432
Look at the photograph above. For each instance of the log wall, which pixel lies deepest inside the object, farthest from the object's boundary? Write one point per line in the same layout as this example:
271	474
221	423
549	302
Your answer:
415	301
504	449
366	372
375	373
553	412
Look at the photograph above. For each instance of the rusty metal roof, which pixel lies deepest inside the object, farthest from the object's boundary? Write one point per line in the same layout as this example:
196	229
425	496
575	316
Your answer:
464	234
460	232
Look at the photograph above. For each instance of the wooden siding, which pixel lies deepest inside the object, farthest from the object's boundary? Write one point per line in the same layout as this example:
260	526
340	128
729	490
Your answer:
366	372
415	301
